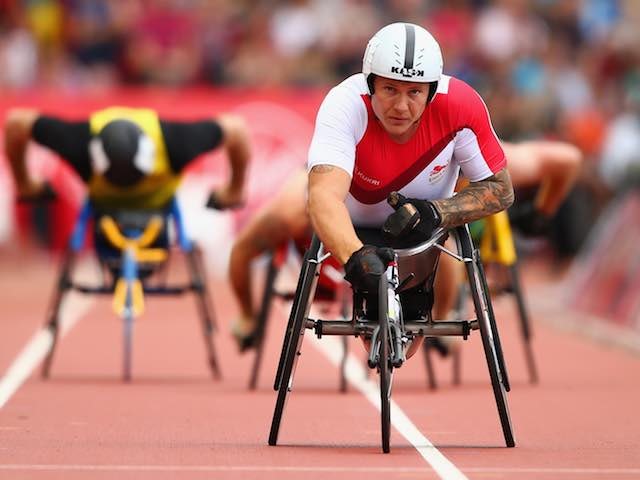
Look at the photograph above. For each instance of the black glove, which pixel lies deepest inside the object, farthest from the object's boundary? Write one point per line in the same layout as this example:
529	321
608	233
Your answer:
411	214
214	202
528	220
48	194
364	267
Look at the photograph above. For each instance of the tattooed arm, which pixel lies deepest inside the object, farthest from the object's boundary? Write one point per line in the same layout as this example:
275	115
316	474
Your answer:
477	200
328	187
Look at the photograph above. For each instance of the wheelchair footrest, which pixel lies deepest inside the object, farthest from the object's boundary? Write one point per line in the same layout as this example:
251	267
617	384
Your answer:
107	290
459	328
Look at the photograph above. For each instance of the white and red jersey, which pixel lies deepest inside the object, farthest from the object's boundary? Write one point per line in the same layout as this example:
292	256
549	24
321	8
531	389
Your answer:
455	135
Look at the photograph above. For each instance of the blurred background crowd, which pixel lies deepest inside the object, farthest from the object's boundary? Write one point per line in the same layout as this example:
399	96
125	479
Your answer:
565	69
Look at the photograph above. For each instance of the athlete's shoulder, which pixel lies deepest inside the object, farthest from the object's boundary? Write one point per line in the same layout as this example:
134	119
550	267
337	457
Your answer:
350	91
457	92
344	102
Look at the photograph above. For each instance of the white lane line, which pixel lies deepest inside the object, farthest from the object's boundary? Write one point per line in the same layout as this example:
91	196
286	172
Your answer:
215	468
331	469
356	375
72	309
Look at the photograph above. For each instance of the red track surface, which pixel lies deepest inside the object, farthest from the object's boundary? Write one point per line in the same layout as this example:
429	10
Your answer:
174	421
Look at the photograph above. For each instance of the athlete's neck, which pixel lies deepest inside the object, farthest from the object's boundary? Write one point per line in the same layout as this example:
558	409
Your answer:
405	136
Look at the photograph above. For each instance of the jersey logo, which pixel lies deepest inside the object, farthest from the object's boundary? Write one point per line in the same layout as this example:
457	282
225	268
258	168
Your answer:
366	178
437	173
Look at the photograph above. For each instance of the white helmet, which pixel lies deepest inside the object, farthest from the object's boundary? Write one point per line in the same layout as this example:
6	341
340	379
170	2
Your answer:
403	51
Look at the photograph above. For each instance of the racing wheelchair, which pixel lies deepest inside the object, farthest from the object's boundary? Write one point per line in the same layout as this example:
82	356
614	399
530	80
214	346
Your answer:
133	249
382	320
494	237
331	289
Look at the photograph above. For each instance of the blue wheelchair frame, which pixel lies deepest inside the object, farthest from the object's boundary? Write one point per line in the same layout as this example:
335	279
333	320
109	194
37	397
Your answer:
130	272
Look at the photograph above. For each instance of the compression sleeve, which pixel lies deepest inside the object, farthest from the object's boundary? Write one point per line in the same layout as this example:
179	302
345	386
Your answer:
70	140
187	140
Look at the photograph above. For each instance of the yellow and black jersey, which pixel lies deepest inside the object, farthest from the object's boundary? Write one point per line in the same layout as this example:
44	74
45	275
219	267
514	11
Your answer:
176	145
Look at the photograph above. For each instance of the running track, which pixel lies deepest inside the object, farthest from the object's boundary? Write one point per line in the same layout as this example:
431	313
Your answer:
173	421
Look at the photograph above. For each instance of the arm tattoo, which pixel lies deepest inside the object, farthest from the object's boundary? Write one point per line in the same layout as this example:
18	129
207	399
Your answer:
323	168
477	200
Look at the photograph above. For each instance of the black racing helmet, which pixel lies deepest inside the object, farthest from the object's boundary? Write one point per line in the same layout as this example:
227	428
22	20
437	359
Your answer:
122	153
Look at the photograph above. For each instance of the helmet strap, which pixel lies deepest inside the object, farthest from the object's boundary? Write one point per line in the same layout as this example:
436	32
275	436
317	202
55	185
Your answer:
145	155
99	160
370	80
433	87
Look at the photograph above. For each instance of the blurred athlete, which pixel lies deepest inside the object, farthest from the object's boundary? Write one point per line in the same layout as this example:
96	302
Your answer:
129	158
550	166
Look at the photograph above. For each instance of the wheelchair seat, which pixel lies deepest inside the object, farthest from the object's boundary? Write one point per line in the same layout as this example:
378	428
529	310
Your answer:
131	223
130	245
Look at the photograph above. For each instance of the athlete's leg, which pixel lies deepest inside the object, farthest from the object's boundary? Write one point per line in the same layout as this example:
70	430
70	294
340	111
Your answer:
553	166
446	289
280	220
447	282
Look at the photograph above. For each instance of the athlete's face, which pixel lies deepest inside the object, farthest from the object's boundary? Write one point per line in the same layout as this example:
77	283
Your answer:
399	105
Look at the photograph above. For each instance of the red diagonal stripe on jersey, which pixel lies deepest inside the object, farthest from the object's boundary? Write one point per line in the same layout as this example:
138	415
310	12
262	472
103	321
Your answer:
374	196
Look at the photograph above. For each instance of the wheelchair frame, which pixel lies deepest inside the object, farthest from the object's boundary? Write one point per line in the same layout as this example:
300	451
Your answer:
130	274
276	259
498	250
388	334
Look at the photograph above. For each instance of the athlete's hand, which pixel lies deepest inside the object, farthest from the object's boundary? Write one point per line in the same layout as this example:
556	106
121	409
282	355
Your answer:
33	192
411	214
225	198
364	267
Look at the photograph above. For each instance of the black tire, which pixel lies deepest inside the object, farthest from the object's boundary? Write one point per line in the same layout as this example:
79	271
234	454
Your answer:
492	321
294	335
312	252
432	384
481	302
525	325
53	316
263	318
206	311
384	364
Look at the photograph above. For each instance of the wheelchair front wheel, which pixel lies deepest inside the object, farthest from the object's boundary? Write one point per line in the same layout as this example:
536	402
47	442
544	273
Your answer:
384	363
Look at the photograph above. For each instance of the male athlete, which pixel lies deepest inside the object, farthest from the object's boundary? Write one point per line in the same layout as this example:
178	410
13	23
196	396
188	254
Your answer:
397	137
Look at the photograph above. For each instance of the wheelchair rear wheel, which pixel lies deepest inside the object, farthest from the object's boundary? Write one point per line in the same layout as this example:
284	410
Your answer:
294	334
263	317
490	339
524	322
494	328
